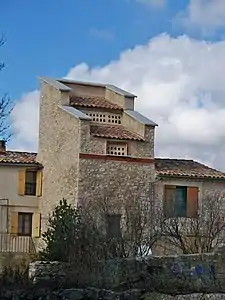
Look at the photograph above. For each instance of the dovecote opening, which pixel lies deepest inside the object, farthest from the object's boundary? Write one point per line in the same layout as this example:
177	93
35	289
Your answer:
118	149
105	118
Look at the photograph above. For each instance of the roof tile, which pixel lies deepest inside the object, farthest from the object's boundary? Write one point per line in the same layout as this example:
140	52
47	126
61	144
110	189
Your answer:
114	132
15	157
94	102
185	168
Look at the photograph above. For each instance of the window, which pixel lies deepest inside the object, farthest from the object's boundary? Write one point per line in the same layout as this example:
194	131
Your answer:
181	201
117	149
113	229
30	183
25	224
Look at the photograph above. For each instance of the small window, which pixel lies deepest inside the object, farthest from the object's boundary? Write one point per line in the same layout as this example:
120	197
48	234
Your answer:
113	229
30	183
25	224
181	201
119	149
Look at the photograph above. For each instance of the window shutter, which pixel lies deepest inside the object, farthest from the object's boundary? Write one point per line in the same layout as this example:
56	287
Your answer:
169	198
14	223
192	203
21	183
39	183
36	225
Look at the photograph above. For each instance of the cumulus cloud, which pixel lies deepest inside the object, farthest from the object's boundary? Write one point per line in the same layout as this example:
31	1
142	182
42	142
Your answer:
180	86
205	15
24	121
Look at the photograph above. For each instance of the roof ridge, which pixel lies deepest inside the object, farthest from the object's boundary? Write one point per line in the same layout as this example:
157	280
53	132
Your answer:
167	158
17	151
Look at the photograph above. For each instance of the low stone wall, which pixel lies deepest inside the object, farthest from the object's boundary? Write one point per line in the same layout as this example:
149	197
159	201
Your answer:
95	294
167	274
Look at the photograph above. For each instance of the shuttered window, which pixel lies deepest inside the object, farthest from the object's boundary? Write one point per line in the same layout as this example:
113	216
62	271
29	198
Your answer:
181	201
30	182
25	224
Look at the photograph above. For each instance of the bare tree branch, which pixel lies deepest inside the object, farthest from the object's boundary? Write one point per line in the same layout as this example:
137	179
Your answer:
6	106
200	234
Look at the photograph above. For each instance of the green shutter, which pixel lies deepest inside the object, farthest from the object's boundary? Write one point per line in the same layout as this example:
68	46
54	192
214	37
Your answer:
181	201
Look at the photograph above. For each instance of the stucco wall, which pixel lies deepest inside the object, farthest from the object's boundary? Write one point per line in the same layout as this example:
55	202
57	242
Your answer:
85	90
9	181
133	125
205	186
115	98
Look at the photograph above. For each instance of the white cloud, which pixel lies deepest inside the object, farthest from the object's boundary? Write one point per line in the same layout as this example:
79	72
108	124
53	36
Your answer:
205	15
154	3
24	120
180	85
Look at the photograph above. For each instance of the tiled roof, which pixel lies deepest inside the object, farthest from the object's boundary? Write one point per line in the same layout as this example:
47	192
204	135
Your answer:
114	132
185	168
94	102
15	157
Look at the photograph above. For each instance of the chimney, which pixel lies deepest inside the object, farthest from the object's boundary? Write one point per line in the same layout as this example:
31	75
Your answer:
2	146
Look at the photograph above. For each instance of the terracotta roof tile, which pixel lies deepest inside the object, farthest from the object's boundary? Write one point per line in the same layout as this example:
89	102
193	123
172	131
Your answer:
185	168
114	132
15	157
95	102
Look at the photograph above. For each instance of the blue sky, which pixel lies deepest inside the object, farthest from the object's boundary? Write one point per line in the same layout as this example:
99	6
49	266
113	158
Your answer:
48	37
170	53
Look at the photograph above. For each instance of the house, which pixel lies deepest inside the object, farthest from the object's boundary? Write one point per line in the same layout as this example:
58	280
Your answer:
93	146
20	189
182	187
96	151
187	182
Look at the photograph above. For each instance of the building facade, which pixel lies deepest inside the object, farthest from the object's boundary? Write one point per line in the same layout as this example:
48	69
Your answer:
20	189
93	145
97	151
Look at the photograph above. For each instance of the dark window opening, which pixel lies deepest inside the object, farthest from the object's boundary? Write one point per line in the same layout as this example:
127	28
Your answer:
113	229
25	224
30	183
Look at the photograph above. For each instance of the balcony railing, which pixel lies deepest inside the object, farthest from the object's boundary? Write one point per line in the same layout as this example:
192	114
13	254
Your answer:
16	244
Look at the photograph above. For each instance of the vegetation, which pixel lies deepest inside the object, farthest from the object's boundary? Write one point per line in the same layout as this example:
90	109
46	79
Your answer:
201	234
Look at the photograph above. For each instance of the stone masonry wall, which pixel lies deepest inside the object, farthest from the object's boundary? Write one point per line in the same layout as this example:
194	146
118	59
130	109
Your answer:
59	142
108	184
170	274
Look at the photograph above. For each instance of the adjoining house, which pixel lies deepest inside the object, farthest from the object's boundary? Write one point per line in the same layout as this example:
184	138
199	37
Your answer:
20	189
95	147
184	183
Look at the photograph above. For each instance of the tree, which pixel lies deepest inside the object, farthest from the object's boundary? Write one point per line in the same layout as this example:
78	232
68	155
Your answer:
200	234
70	237
6	107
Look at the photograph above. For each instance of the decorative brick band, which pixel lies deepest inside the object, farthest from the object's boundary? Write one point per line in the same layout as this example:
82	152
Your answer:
141	160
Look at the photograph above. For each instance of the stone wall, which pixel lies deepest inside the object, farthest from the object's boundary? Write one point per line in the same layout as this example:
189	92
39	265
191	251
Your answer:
59	143
170	274
108	184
